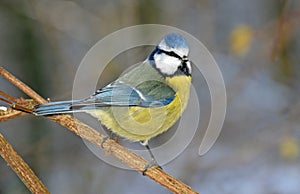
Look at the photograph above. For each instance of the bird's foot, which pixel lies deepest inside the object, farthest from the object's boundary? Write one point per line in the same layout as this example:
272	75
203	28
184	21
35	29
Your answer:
151	164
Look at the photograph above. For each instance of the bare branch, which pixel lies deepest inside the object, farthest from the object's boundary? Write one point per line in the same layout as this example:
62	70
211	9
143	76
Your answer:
110	146
27	90
20	167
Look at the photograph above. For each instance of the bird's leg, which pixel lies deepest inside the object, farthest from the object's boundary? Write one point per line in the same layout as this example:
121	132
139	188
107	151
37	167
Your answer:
153	162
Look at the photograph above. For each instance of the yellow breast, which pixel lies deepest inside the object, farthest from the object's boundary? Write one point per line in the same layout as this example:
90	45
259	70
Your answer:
141	124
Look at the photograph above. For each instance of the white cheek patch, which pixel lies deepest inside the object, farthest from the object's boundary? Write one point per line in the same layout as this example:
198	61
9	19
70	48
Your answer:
166	64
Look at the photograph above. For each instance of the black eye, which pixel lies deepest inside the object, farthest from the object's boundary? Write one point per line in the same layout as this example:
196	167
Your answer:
184	59
173	54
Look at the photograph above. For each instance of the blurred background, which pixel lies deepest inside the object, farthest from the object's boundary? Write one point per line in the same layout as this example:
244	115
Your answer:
256	45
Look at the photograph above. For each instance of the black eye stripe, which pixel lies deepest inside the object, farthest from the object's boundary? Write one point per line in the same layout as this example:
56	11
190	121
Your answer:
170	53
183	67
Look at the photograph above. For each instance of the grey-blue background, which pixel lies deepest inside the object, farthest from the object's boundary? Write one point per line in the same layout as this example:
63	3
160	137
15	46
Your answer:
43	42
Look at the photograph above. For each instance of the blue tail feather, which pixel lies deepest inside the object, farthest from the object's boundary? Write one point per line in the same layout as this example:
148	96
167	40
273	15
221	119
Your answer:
52	108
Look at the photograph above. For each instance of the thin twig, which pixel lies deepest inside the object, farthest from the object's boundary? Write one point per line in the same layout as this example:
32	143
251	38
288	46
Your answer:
20	167
17	107
110	146
10	114
9	97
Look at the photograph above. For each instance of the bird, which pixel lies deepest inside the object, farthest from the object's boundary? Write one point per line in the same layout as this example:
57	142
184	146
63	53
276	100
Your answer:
143	102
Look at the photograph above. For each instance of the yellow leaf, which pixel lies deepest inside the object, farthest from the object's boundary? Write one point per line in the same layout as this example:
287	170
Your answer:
289	148
240	39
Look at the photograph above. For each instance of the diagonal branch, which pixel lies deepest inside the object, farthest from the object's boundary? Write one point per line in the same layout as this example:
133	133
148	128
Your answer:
28	177
110	146
23	87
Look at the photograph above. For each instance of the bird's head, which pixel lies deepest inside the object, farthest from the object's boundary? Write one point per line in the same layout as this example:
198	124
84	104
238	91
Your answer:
170	56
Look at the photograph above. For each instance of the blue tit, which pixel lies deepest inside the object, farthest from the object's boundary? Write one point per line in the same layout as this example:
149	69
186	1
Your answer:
144	102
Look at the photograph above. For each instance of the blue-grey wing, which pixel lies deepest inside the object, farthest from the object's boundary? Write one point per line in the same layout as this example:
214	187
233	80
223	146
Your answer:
147	94
122	94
